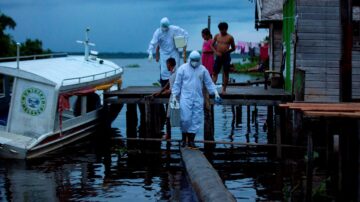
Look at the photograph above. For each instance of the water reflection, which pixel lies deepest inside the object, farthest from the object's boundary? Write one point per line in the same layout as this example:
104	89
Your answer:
106	169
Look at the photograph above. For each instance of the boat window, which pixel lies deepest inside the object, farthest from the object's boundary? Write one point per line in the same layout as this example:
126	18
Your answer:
92	103
75	101
69	113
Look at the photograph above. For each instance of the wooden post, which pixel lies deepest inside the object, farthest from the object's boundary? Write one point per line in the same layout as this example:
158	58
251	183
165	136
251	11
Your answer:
248	119
254	114
278	136
309	167
346	53
142	127
147	118
208	117
336	149
270	123
131	120
238	112
209	23
358	164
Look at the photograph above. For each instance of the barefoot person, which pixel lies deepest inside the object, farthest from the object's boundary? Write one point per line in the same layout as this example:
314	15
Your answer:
224	44
207	54
188	87
166	90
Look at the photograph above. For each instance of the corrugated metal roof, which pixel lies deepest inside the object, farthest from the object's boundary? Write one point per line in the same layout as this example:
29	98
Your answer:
270	10
59	69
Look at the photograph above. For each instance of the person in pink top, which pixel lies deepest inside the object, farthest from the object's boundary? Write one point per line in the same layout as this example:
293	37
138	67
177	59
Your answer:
207	55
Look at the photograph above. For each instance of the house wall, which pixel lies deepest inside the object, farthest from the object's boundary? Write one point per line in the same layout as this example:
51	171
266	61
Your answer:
318	49
276	46
356	74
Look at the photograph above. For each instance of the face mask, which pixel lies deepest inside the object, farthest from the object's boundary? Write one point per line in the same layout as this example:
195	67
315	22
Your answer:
164	29
194	64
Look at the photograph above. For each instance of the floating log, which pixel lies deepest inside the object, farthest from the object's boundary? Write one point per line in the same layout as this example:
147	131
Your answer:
204	178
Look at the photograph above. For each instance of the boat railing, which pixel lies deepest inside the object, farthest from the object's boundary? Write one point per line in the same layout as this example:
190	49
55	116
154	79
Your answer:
90	78
34	57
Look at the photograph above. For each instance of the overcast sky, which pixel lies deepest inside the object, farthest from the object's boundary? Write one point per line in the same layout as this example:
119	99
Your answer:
124	25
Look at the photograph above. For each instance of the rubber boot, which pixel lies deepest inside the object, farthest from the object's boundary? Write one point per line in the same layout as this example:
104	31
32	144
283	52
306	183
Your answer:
183	140
191	143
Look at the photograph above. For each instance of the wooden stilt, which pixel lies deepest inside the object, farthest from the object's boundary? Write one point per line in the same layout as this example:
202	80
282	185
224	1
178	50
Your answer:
270	123
248	119
238	111
147	119
278	136
337	161
254	114
358	167
309	168
208	117
131	120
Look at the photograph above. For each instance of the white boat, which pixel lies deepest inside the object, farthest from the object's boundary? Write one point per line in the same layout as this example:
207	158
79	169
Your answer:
48	103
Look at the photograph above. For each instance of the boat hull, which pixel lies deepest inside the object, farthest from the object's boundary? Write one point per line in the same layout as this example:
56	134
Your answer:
53	141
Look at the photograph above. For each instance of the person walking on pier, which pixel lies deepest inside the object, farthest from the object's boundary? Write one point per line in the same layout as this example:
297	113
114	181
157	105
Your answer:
188	88
163	39
224	45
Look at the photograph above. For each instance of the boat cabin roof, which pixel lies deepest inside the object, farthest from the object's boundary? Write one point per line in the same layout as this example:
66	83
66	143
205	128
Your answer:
62	71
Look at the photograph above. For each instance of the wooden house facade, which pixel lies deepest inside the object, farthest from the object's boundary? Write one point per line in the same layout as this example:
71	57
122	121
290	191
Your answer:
268	15
321	38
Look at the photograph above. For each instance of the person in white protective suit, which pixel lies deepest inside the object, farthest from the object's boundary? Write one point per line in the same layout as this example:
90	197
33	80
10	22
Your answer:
188	88
164	38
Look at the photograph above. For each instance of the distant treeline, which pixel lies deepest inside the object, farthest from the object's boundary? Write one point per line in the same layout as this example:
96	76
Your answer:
137	55
8	45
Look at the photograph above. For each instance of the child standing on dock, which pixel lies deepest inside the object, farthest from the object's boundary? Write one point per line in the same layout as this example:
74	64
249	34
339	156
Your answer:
207	55
224	45
166	90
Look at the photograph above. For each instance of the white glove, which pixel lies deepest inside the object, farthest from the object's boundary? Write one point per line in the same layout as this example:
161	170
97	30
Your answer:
217	98
174	103
150	58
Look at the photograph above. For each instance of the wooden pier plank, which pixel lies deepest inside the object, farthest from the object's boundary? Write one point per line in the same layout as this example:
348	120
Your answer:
333	114
234	95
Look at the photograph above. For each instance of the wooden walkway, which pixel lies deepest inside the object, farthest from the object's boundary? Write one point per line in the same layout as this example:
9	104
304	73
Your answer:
335	110
234	96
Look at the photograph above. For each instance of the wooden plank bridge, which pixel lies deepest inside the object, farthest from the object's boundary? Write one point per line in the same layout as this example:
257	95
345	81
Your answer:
234	96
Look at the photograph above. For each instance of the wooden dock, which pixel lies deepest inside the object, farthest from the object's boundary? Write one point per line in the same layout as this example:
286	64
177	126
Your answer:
234	96
150	107
340	130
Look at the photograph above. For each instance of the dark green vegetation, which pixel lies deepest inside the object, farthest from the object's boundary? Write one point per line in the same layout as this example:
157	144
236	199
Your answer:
8	45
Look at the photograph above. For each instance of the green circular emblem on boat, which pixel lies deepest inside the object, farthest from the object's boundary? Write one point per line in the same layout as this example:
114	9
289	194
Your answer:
33	101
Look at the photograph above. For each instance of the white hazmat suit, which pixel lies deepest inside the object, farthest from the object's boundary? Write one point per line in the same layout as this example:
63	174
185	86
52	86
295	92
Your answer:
189	87
165	39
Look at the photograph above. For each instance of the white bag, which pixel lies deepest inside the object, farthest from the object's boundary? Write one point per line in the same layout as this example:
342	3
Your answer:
174	108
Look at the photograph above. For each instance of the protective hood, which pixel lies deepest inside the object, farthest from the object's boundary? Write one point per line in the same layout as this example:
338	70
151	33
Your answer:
194	59
164	24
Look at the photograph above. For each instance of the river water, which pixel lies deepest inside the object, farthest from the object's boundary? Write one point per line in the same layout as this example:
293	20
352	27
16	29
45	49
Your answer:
103	169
